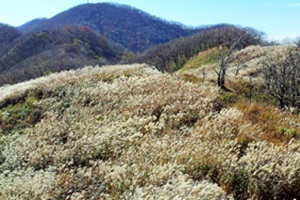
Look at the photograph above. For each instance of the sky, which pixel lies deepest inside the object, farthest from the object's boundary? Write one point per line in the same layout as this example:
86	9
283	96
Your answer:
279	19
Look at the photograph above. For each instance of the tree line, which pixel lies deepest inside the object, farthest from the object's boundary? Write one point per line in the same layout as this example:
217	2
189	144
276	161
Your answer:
173	55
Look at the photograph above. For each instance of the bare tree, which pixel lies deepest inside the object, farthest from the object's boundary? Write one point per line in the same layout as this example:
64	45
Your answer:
225	56
282	78
297	41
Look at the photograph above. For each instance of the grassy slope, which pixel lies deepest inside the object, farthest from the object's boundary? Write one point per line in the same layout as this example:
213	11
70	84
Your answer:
251	58
131	132
261	109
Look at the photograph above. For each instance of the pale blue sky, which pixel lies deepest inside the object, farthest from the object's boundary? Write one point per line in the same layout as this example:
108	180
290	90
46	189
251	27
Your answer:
278	18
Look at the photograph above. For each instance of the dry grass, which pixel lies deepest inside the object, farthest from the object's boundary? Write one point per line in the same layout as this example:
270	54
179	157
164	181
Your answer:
250	61
278	126
131	132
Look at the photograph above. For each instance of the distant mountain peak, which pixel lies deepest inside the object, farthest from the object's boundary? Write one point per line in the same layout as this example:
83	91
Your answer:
134	29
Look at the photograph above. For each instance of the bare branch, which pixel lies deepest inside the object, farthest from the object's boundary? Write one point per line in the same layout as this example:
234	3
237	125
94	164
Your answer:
282	78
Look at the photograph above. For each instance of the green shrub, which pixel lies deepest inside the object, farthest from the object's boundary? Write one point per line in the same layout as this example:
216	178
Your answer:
16	117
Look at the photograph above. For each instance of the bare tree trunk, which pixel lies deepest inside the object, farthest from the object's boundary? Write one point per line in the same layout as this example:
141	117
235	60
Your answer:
222	75
203	75
225	57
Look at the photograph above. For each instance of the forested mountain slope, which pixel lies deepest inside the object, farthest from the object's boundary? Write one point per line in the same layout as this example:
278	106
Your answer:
34	55
89	34
8	35
130	27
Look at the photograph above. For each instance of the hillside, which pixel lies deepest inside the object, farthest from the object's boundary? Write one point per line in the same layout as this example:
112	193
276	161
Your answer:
71	47
267	74
8	35
89	34
132	28
34	55
244	64
173	55
28	26
132	132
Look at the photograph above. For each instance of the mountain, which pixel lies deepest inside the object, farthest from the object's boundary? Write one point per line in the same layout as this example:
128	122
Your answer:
33	23
8	35
102	34
70	47
132	28
88	34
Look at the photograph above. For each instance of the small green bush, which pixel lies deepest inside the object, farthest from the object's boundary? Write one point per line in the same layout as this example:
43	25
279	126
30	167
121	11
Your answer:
16	117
